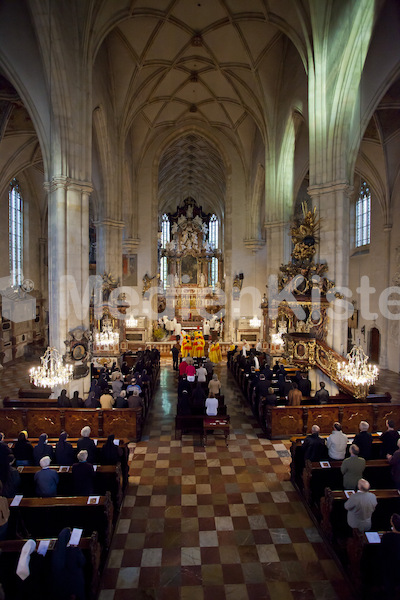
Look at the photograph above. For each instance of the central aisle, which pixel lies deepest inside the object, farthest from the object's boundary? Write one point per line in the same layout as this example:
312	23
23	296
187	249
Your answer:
214	523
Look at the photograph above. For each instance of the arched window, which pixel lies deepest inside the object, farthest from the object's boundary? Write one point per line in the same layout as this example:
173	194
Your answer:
213	240
165	238
363	215
213	233
16	233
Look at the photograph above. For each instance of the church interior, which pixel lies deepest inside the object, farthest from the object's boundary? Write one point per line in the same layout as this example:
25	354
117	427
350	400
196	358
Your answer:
215	178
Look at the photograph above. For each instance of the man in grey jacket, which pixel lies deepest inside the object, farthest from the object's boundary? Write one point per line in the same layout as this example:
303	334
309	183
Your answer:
360	507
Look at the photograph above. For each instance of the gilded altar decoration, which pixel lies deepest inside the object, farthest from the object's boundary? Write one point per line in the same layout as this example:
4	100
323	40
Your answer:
303	274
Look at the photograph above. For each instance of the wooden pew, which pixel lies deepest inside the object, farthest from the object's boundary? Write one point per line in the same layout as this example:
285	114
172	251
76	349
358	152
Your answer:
296	450
188	424
316	478
45	517
288	421
334	517
108	478
29	402
125	422
10	551
34	392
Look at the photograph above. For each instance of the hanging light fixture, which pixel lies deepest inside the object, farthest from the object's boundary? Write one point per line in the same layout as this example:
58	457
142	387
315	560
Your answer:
131	323
52	371
356	371
255	322
107	336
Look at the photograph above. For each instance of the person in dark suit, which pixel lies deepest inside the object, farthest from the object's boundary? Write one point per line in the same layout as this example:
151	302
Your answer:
83	475
314	446
363	440
322	395
63	401
304	385
389	439
390	557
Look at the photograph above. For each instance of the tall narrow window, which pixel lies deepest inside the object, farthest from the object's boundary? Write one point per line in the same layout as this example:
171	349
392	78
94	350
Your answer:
363	216
213	239
165	238
16	232
213	233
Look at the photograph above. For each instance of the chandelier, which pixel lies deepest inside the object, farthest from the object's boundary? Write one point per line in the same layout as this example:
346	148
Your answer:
356	371
255	322
52	371
131	323
107	336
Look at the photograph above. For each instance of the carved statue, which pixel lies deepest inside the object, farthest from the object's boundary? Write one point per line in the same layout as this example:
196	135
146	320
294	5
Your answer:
147	283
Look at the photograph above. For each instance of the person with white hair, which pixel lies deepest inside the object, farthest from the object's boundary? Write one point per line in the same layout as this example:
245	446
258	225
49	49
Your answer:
46	480
360	507
86	443
364	440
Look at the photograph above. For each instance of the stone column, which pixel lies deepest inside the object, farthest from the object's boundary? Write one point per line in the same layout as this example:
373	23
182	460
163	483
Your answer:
383	359
68	248
109	247
278	245
332	202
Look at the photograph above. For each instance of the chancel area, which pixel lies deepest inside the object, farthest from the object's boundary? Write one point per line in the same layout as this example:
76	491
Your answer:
199	291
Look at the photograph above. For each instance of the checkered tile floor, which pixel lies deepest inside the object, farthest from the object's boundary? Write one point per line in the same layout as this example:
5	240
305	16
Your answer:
217	522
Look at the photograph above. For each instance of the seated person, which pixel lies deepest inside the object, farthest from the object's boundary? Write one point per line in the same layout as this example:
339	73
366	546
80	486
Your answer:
106	399
76	401
86	443
197	400
134	400
83	475
23	450
121	401
42	449
46	480
63	401
65	453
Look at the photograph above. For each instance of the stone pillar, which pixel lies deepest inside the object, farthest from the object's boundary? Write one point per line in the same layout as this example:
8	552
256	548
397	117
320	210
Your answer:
68	248
332	202
109	247
278	245
383	359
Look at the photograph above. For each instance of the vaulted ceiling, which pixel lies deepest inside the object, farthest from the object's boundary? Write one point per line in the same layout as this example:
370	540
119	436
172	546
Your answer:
212	62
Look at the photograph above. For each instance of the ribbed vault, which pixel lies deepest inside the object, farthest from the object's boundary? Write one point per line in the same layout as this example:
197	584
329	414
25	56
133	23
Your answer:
191	166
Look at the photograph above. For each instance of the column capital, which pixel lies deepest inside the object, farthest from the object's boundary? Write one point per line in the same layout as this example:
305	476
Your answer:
62	182
327	188
275	224
130	245
110	223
